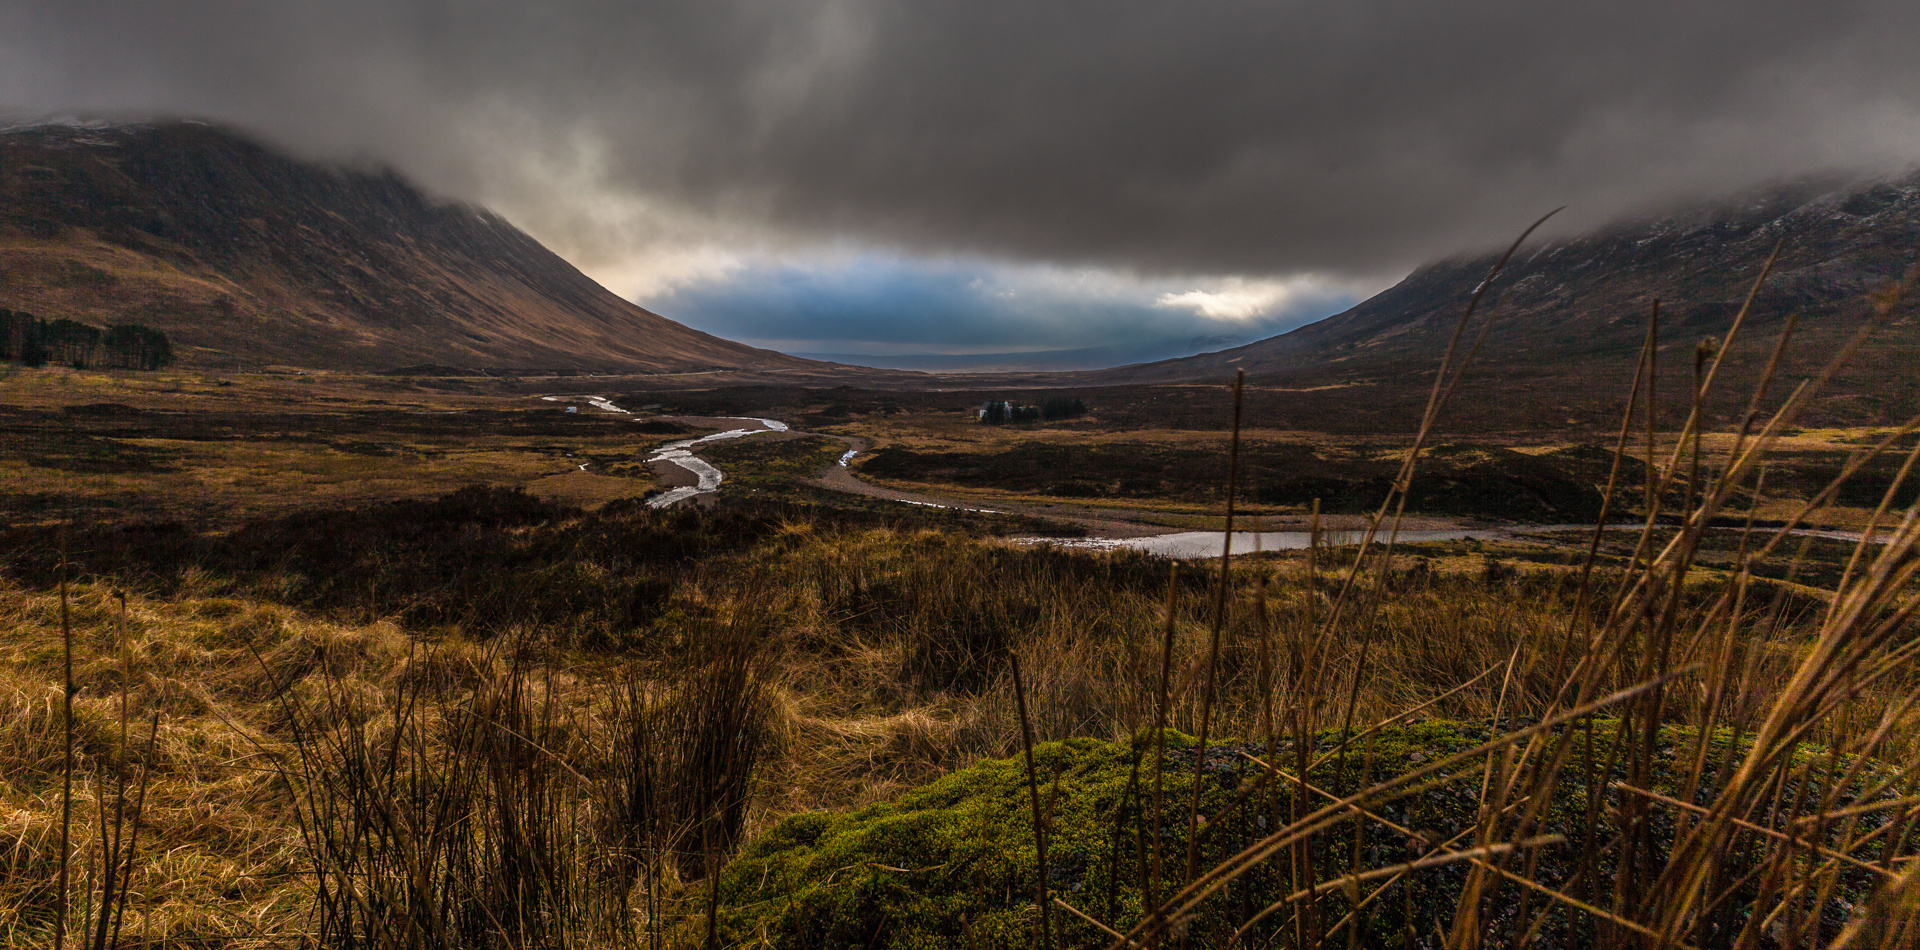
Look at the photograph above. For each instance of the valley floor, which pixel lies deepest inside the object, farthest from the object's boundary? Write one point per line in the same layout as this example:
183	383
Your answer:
426	648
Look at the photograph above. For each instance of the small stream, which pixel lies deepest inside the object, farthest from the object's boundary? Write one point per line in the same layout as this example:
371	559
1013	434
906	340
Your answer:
709	478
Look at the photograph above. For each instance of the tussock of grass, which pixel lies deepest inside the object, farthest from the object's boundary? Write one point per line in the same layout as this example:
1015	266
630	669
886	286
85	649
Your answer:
945	864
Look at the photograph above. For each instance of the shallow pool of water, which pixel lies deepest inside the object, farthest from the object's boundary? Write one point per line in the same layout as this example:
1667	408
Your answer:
1193	544
1209	543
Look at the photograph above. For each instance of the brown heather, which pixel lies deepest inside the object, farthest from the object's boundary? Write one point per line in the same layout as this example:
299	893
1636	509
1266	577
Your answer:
251	769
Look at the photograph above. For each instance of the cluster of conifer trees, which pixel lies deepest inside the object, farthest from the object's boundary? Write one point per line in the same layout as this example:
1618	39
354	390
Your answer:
27	339
999	412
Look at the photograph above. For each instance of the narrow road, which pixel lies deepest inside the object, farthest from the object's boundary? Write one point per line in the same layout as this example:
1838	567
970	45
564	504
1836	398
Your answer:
840	477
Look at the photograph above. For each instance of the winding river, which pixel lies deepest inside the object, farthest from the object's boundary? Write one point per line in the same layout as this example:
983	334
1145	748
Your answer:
707	478
1174	544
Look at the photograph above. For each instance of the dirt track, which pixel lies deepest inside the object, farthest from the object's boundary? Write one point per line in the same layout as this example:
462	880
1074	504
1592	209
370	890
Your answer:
840	477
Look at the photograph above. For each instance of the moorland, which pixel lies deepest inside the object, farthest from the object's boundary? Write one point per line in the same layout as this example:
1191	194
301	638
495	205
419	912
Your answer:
395	648
326	625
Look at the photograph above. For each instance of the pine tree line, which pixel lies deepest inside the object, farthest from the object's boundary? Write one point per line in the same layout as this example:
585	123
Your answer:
999	412
27	339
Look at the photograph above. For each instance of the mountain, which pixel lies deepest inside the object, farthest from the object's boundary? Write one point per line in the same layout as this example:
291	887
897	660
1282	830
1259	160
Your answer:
244	255
1570	314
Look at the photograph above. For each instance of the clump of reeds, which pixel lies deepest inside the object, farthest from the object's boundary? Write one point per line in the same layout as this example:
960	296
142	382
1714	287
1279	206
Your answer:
104	779
688	749
493	815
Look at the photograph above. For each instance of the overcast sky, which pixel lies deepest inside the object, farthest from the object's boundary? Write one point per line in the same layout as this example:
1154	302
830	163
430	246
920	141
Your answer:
1011	176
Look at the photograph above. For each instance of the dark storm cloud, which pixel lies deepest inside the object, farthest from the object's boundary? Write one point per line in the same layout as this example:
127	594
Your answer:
1205	137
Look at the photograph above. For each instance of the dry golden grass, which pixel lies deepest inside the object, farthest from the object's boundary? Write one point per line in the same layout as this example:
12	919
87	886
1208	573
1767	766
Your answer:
221	862
267	444
889	653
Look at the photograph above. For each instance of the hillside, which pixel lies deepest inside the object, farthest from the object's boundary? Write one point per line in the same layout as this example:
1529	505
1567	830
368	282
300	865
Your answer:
1571	313
245	256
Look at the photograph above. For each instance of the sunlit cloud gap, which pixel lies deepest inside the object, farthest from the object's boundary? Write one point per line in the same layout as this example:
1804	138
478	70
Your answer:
939	313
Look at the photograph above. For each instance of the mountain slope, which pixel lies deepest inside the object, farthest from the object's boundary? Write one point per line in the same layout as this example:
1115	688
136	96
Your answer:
244	255
1575	310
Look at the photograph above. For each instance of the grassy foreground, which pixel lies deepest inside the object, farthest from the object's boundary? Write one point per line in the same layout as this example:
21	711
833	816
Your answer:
406	724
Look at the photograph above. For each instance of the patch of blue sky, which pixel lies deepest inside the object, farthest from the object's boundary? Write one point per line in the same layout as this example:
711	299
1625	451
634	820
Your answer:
975	313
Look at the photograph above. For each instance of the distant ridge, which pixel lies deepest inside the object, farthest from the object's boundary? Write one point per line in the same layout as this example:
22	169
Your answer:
244	255
1573	312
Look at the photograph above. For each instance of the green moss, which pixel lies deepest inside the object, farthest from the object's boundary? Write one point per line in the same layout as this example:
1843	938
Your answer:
953	863
953	857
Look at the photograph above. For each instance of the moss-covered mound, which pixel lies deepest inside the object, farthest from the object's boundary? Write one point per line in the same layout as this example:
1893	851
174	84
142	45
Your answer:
953	864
